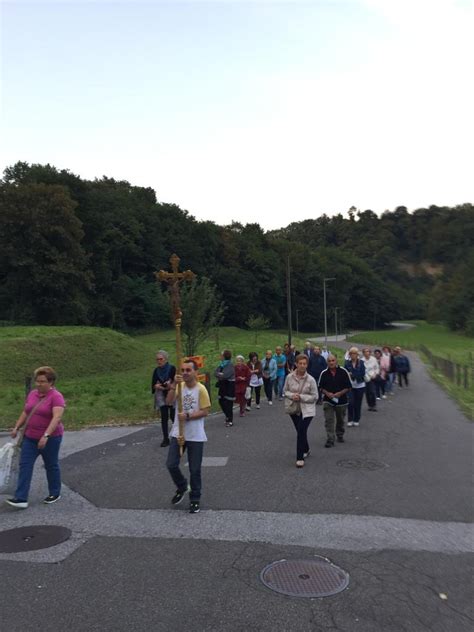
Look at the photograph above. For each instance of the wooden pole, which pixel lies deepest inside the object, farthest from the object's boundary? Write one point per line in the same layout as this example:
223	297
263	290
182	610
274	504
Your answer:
173	279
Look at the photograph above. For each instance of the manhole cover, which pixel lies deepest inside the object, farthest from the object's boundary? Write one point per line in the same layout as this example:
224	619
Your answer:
32	538
362	464
305	578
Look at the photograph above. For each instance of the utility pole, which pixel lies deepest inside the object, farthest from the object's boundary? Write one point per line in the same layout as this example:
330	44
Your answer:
297	323
288	297
335	320
325	312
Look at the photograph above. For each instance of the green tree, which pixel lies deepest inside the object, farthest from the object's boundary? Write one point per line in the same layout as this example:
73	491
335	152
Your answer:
257	324
43	267
202	310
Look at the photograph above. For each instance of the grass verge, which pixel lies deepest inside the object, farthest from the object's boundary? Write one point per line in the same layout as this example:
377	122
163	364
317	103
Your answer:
106	376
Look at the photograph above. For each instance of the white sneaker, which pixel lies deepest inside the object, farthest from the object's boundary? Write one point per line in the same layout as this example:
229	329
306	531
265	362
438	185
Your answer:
258	405
18	504
350	423
377	398
270	403
247	408
384	397
355	423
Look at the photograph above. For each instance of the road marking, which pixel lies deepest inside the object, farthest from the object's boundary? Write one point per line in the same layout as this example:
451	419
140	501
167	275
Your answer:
213	461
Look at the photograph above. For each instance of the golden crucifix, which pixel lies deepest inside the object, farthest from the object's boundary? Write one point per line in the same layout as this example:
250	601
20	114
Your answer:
173	280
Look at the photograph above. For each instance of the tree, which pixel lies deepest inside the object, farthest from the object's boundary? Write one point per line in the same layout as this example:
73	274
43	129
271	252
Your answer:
202	311
43	267
257	324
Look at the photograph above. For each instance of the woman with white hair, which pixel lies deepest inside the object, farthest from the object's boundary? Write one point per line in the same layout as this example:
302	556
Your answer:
356	369
242	381
161	385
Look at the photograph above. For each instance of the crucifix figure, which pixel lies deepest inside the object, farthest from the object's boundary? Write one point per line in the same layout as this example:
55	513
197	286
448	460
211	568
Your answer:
173	280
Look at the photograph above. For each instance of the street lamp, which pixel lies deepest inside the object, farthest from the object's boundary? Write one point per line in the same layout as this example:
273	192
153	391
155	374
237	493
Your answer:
325	314
335	320
297	323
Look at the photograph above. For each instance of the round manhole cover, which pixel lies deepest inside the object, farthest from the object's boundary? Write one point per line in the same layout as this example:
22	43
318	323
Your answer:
305	578
32	538
361	464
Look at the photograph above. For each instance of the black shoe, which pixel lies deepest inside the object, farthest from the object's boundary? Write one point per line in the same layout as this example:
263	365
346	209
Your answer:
340	439
329	444
165	443
194	507
178	497
18	504
373	410
49	500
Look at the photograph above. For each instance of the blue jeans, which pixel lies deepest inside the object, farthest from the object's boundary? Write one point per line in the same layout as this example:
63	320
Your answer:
278	385
29	454
194	450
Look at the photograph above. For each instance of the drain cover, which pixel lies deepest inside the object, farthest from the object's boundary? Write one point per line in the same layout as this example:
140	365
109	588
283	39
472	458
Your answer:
305	578
362	464
32	538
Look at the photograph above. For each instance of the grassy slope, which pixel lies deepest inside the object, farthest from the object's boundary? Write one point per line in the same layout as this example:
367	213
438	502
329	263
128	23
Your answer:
441	342
105	376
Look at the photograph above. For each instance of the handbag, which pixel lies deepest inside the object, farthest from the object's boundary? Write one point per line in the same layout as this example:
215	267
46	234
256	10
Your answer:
248	392
10	458
7	470
292	407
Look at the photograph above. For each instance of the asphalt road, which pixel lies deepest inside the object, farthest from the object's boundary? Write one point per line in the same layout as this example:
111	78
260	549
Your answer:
392	506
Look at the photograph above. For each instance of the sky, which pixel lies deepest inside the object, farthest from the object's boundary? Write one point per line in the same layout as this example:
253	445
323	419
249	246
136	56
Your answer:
249	111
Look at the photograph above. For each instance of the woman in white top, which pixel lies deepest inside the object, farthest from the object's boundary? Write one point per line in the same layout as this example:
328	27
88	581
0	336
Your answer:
301	394
372	370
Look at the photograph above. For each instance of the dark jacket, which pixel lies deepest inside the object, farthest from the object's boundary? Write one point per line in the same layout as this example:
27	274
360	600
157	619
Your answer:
357	373
402	363
226	381
316	365
170	376
335	383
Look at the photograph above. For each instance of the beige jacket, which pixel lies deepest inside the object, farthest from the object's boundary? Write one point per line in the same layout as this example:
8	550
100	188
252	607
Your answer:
306	387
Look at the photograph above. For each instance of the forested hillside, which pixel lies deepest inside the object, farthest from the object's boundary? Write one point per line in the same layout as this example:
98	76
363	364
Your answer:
74	251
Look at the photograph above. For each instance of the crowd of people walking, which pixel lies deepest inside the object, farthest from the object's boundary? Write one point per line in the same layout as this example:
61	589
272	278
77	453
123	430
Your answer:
303	380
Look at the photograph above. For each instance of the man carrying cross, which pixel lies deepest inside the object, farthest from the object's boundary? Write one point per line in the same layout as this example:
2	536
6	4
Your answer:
196	406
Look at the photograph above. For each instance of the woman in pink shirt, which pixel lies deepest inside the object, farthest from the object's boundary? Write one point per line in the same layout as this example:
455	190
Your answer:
43	434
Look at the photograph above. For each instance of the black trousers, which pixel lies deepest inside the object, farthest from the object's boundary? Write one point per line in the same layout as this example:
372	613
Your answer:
401	377
355	397
227	406
301	424
370	394
167	413
268	386
257	390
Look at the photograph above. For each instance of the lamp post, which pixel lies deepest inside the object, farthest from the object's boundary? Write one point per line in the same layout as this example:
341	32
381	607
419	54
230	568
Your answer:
288	297
325	313
297	323
335	320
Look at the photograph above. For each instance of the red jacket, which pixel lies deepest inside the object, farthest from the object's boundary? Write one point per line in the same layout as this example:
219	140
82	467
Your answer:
241	371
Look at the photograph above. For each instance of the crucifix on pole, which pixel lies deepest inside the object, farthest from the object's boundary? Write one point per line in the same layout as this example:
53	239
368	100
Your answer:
173	279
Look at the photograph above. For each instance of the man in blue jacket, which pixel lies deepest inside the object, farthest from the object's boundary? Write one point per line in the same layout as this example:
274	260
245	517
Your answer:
316	366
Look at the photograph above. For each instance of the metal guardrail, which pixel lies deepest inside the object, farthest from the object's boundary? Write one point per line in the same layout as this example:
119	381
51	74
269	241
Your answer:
460	374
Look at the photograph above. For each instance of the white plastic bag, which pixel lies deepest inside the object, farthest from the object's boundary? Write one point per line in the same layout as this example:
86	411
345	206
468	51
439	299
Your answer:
9	462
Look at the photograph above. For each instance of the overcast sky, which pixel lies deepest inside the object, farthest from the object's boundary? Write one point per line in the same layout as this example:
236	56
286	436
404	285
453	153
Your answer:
265	112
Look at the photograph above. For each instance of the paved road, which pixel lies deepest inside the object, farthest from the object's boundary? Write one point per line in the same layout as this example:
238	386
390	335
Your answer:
392	506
